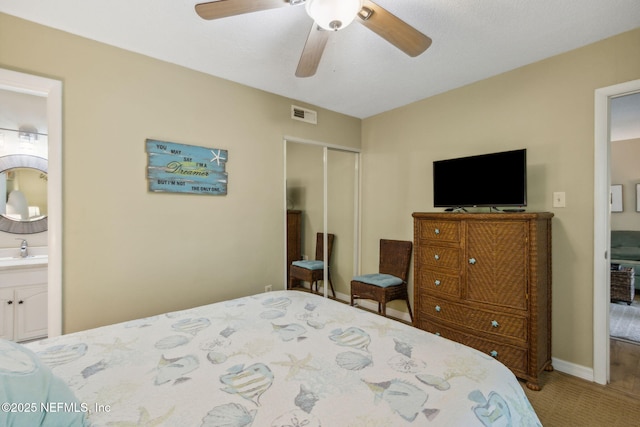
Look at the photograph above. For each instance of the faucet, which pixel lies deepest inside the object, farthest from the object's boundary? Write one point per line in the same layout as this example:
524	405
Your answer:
24	250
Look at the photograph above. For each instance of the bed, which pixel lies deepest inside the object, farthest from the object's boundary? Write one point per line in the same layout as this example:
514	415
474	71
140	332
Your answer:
283	358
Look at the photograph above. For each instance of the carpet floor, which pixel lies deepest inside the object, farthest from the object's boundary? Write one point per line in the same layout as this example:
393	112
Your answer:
624	321
567	401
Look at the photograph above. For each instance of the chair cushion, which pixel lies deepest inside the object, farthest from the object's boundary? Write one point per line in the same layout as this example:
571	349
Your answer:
381	280
309	265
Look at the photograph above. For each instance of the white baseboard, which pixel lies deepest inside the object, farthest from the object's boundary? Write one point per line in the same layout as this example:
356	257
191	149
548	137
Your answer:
569	368
368	304
373	306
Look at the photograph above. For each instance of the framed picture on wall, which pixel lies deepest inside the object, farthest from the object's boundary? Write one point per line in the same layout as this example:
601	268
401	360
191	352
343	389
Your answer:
616	198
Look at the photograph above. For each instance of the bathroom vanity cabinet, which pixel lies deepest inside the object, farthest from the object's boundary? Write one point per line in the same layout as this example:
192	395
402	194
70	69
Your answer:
23	303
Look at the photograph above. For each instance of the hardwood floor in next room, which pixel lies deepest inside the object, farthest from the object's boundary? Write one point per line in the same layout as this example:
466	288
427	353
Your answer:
625	367
625	364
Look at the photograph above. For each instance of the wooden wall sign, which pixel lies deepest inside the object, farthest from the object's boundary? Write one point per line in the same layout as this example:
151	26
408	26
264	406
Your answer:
179	168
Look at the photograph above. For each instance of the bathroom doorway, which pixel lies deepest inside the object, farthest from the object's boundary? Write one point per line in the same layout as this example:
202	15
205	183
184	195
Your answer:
51	91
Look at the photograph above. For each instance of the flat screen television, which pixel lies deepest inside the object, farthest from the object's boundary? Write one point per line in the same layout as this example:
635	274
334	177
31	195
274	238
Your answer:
495	179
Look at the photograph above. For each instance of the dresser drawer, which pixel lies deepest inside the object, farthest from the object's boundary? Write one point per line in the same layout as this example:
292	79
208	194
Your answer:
445	231
436	282
442	311
439	257
499	324
515	358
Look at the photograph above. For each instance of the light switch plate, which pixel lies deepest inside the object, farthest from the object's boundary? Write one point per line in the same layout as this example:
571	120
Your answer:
559	200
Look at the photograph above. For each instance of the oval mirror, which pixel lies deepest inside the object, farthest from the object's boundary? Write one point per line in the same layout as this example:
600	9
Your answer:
23	183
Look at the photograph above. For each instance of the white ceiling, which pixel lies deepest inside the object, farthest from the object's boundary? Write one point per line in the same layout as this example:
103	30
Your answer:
360	74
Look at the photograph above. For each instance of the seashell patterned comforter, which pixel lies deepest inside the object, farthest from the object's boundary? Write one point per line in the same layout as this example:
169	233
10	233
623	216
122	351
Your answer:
284	358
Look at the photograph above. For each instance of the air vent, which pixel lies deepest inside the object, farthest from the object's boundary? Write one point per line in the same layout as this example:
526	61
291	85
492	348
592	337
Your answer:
304	115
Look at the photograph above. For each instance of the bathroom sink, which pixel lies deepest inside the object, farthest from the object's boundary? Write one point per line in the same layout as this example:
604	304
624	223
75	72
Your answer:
10	257
19	262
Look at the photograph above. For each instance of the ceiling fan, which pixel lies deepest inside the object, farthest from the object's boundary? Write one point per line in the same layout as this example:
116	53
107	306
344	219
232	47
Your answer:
328	16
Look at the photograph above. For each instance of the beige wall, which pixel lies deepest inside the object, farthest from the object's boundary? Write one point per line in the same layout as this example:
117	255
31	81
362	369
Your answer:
128	252
547	108
625	170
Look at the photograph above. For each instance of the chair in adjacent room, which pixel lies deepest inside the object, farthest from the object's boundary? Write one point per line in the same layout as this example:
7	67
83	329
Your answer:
390	283
313	271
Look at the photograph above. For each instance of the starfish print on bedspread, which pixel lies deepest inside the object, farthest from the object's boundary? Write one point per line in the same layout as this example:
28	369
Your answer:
383	328
116	345
296	365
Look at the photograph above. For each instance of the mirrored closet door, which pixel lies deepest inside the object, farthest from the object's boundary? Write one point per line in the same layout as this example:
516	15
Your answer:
322	197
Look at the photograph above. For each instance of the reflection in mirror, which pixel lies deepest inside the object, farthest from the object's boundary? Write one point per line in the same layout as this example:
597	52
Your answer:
305	195
25	194
23	185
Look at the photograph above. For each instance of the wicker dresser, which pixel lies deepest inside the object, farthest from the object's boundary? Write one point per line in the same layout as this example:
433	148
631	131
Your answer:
485	280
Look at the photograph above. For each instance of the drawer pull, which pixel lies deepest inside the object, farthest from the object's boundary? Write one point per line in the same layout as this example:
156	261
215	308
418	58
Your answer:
437	282
494	353
437	231
9	302
437	257
472	261
438	309
494	323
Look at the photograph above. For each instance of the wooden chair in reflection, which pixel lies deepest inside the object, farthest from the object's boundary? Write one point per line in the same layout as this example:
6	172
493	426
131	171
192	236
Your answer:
313	271
390	283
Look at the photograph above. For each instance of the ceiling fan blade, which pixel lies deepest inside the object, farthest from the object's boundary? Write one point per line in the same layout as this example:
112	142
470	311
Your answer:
312	51
223	8
393	29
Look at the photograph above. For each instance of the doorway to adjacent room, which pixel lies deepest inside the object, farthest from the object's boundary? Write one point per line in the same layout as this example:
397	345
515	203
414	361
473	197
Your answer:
602	226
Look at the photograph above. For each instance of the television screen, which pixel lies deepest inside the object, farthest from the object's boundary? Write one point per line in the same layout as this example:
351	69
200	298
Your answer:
496	179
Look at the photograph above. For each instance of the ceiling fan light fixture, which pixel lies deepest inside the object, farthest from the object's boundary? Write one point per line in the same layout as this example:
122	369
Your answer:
333	15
